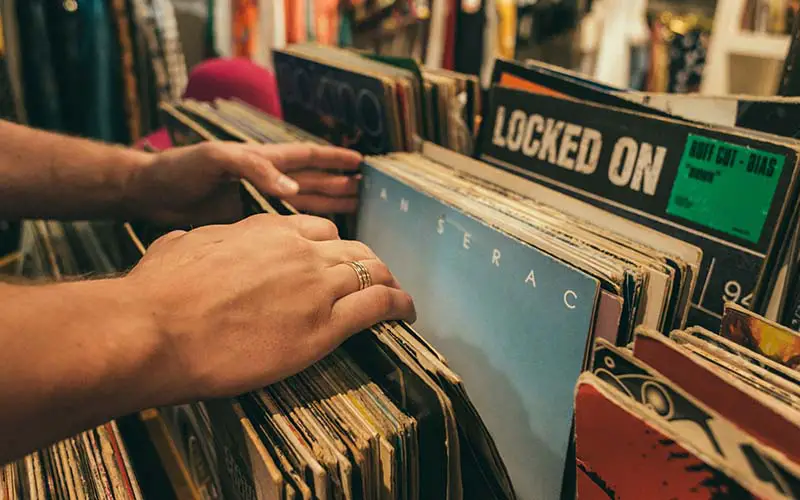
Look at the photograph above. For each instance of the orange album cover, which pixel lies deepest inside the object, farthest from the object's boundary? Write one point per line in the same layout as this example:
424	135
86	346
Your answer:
762	336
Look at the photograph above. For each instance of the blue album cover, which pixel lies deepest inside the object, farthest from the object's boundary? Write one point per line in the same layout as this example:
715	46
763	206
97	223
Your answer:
510	319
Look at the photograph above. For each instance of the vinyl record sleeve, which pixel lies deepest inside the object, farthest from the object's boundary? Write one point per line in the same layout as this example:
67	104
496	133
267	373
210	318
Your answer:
685	256
342	106
762	336
709	432
485	329
644	454
175	464
483	472
736	358
756	411
255	412
699	334
647	283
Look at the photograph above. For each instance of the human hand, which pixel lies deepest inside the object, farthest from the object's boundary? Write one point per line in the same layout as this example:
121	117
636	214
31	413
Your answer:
242	306
199	184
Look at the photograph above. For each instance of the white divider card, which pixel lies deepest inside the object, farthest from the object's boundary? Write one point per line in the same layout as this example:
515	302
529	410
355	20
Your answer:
511	320
726	193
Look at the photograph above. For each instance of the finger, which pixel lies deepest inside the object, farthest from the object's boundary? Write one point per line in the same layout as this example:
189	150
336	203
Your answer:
320	204
240	161
338	251
345	280
313	228
324	183
360	310
296	156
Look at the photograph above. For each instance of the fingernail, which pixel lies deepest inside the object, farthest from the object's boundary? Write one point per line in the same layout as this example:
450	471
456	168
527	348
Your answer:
288	185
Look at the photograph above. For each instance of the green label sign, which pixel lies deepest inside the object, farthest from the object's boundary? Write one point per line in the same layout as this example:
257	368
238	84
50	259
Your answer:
725	186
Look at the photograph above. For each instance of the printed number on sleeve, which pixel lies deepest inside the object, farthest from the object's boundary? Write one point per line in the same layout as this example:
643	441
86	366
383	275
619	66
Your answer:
733	293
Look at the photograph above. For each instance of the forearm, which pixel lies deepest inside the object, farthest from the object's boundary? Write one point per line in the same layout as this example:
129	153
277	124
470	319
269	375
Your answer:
72	356
46	175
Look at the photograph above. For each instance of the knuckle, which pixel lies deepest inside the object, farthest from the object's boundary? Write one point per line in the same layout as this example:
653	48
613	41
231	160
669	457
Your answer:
382	271
175	233
278	157
172	235
364	249
335	189
313	153
384	300
330	228
348	187
325	227
298	219
261	219
215	151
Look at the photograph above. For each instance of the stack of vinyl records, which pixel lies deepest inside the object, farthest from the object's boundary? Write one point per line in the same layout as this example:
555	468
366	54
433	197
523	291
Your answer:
582	221
640	195
578	225
693	415
376	104
384	416
95	463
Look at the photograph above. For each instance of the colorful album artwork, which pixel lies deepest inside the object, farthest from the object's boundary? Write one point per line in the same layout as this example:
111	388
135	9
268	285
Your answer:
764	337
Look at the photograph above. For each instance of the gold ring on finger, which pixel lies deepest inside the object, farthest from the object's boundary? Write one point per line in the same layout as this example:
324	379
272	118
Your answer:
364	278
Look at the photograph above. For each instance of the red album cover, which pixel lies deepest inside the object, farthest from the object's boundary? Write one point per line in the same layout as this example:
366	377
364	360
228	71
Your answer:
590	487
623	453
752	411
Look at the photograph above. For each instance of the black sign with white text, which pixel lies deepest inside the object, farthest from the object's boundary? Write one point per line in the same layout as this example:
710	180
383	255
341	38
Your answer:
680	179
